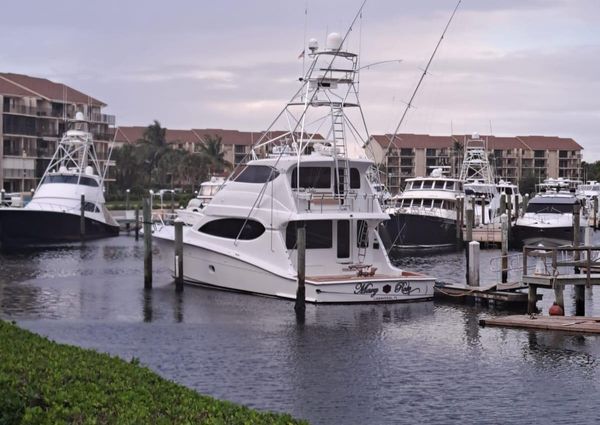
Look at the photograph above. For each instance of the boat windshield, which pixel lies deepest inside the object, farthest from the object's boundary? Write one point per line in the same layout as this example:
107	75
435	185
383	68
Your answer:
256	174
550	208
71	179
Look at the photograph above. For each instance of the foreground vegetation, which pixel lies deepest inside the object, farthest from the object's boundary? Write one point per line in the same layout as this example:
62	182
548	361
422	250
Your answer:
42	382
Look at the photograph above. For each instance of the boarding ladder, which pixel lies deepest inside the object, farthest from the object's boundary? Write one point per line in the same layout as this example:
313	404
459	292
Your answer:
363	240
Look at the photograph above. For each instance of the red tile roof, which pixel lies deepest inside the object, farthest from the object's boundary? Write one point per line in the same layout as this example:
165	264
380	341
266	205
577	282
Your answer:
24	85
422	141
229	137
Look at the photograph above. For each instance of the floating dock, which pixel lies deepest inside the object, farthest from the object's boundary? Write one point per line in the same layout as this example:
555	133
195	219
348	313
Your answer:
499	292
579	324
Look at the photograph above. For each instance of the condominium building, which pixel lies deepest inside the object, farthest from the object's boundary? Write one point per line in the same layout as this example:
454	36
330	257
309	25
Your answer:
35	114
412	155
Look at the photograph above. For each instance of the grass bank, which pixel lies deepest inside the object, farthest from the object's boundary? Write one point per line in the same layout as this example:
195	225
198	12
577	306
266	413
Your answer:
42	382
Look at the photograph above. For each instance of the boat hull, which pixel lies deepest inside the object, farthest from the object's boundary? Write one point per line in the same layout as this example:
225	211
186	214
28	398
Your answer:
23	227
209	268
411	231
547	236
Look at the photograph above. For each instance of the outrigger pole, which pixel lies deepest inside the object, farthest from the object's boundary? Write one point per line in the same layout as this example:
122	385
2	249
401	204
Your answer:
415	91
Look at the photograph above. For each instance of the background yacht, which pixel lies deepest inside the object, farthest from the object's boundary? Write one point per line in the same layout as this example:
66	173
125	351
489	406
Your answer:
54	213
246	237
424	216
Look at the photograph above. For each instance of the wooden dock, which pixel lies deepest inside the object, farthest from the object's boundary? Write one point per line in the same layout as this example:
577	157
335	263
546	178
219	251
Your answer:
499	292
580	324
485	234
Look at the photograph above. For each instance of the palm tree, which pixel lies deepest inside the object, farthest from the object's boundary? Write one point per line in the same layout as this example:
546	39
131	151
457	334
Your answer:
152	147
212	150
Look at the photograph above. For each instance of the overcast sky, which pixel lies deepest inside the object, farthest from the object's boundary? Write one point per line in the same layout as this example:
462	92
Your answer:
519	67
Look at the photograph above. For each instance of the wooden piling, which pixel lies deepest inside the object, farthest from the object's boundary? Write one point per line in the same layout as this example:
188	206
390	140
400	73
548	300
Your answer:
469	221
532	299
137	222
502	203
178	255
482	210
458	208
559	295
473	271
579	300
2	193
82	218
595	212
525	203
300	305
147	217
576	231
504	219
516	208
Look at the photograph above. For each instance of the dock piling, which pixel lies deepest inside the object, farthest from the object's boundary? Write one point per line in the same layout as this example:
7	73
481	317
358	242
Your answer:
502	203
178	255
579	300
595	212
532	299
82	218
300	305
147	217
504	219
458	208
525	203
576	231
137	222
473	264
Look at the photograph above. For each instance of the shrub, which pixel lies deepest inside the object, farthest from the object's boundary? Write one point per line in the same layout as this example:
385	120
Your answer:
42	382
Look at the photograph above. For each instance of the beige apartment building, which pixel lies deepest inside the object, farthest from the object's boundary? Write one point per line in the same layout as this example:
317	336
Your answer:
236	144
513	158
35	114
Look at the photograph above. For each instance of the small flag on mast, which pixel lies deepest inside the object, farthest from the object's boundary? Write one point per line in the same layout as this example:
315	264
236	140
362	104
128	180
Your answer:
301	55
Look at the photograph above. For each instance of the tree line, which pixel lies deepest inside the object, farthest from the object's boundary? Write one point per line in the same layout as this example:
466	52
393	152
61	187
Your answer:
151	163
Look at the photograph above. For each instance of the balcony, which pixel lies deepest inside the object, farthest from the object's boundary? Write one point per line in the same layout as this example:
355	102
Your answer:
103	119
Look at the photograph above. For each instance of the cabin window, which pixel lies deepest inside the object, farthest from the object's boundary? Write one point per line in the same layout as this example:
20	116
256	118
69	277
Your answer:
508	191
319	234
312	177
71	179
343	239
354	179
255	174
549	208
437	203
233	228
449	205
362	234
90	207
427	184
439	184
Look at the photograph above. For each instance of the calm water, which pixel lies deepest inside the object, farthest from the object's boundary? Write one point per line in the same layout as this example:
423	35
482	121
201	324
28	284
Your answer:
366	364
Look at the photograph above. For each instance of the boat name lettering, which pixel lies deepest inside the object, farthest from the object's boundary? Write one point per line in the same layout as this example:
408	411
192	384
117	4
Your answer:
405	288
365	288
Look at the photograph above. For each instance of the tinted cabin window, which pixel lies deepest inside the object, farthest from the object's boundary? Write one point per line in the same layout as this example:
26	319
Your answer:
312	177
362	234
70	179
438	184
343	239
427	184
550	208
230	228
256	174
90	207
319	234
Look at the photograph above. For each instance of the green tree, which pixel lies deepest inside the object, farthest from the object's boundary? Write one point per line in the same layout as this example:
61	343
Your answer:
211	149
527	183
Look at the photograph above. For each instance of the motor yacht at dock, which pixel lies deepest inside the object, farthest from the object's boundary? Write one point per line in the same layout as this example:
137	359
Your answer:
54	213
246	239
549	220
424	216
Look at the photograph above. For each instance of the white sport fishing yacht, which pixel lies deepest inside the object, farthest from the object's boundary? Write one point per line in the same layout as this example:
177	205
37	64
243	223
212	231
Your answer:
246	239
479	183
195	206
54	213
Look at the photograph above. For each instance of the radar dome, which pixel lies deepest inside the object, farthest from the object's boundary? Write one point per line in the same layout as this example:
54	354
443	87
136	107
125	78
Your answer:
313	44
334	41
79	116
475	136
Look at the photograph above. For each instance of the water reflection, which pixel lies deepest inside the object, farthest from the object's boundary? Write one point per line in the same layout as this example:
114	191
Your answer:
421	362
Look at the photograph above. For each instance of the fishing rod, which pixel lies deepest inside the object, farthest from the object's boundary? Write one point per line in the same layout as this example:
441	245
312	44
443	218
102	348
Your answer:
416	90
